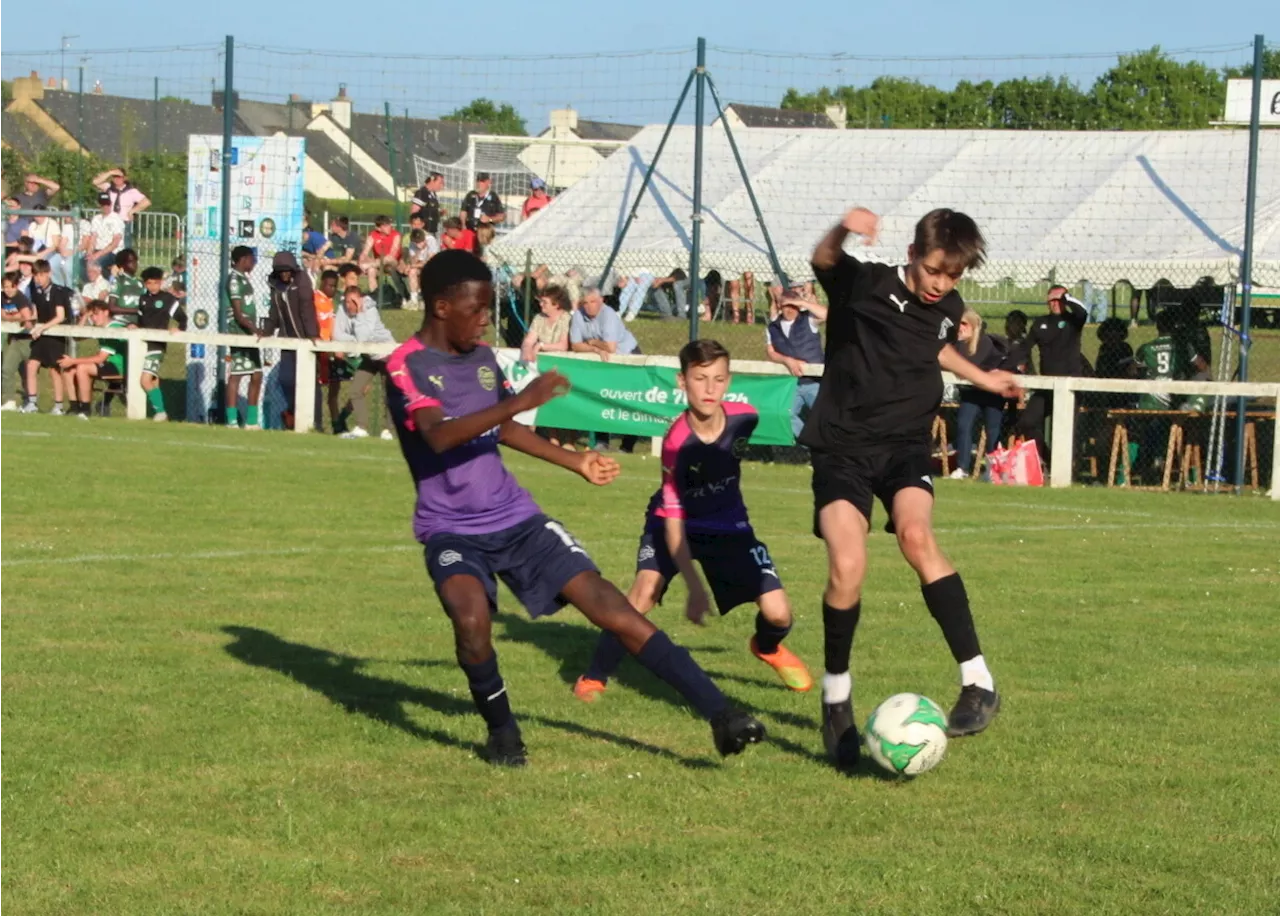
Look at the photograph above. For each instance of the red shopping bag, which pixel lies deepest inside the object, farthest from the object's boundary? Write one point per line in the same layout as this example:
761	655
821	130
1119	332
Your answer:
1017	466
1000	466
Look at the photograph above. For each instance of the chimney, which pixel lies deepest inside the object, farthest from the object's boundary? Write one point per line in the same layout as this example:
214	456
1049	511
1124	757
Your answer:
340	108
52	83
28	87
839	117
563	121
97	87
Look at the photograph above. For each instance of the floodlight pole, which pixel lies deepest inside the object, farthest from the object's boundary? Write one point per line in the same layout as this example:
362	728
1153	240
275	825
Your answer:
1246	258
746	180
699	102
648	176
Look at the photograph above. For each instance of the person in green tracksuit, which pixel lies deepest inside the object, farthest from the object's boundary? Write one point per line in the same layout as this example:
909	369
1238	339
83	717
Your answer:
244	320
1160	359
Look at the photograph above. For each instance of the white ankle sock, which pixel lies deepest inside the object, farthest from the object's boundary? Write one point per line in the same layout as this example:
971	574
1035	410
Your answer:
975	671
836	688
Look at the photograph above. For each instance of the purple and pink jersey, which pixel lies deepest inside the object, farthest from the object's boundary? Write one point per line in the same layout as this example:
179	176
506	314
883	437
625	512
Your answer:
701	481
466	490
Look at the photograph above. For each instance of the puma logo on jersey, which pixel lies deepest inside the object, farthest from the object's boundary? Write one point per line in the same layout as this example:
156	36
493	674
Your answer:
946	326
900	303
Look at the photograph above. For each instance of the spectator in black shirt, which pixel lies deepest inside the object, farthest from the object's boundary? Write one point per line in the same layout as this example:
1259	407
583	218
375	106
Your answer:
1057	335
482	210
889	335
344	245
157	310
53	307
426	201
292	314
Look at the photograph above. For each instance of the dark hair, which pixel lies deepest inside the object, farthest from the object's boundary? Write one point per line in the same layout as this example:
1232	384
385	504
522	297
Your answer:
432	176
954	233
180	259
453	223
1113	325
1017	316
152	273
178	286
418	236
1165	320
701	353
483	176
325	275
418	216
13	277
347	268
125	254
449	269
240	251
26	244
381	220
559	294
41	267
342	222
678	274
97	305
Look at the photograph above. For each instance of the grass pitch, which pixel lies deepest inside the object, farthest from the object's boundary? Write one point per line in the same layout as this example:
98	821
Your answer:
228	688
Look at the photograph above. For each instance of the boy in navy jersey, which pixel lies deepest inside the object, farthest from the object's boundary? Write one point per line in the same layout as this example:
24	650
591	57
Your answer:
698	514
452	407
890	333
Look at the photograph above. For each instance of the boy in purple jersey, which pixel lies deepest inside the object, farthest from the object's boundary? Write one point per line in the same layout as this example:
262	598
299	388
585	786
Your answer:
698	514
452	407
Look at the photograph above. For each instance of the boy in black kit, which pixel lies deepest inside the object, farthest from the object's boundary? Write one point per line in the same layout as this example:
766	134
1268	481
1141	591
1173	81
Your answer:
890	331
157	308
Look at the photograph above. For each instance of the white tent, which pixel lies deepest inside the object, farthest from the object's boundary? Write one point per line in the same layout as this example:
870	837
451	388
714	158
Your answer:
1101	206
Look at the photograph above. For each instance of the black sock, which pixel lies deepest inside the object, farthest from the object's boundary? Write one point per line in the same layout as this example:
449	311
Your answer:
769	635
838	625
606	659
949	604
489	693
674	665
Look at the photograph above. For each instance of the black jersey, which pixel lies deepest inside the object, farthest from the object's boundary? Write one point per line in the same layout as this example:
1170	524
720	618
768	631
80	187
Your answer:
473	205
882	383
155	311
47	299
1058	337
427	204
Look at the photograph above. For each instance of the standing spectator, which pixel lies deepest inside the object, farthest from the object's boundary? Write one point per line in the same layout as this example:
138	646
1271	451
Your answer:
157	310
292	315
345	244
359	321
52	305
482	210
105	236
984	352
1058	337
126	200
549	331
245	319
126	289
537	199
454	236
742	295
381	251
792	339
714	287
426	202
36	192
1192	338
17	349
1018	357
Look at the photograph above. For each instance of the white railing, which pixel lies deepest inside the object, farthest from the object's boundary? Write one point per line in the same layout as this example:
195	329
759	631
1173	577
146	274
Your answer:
1064	403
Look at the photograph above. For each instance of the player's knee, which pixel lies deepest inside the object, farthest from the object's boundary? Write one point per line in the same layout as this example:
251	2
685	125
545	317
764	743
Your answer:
916	541
844	579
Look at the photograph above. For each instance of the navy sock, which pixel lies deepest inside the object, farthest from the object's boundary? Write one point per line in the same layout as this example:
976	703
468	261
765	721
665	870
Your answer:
674	665
948	602
489	693
606	659
769	635
838	625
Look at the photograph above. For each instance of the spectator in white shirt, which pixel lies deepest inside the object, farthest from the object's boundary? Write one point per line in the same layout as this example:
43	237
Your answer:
106	235
98	287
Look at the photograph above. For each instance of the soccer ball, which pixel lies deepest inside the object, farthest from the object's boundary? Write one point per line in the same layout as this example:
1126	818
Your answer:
907	734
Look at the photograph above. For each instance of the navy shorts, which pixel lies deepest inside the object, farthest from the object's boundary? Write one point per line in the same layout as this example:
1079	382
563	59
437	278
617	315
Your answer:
737	565
880	474
535	558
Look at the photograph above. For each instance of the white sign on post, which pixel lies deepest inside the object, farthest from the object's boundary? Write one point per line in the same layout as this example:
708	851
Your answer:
1240	102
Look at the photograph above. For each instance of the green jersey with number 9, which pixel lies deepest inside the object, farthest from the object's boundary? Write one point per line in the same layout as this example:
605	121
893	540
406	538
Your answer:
1162	359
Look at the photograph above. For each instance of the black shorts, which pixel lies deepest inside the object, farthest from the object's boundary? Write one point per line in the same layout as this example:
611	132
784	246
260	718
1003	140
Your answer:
737	565
48	350
870	475
535	558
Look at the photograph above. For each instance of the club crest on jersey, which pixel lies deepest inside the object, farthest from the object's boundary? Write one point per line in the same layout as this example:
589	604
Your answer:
947	325
488	381
900	303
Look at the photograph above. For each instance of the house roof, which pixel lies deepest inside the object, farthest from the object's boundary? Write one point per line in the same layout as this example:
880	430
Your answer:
605	130
22	134
324	152
760	116
114	125
442	141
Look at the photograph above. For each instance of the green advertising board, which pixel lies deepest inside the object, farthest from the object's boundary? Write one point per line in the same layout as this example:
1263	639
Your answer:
643	400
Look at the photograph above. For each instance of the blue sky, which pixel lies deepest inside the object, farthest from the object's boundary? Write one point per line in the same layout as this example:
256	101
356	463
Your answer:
933	41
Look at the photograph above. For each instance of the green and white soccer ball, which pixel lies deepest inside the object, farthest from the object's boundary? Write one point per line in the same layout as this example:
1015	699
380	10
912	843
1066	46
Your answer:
907	734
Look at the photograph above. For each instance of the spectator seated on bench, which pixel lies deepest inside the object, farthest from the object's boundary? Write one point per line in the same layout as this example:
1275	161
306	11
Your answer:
107	365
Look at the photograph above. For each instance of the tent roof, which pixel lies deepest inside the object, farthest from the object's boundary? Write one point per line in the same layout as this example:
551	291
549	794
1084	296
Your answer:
1103	206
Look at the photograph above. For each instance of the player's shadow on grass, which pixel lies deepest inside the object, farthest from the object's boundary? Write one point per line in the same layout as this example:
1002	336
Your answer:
339	679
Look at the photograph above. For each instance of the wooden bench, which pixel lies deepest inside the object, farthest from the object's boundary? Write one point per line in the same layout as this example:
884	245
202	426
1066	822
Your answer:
1180	453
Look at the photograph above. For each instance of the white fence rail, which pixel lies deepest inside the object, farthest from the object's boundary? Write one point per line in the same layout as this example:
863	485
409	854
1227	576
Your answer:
1064	414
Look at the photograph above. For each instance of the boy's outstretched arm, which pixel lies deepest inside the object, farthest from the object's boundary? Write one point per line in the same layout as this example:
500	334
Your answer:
444	434
996	380
593	466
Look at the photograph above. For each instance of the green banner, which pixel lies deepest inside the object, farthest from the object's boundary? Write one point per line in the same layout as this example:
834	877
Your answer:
643	400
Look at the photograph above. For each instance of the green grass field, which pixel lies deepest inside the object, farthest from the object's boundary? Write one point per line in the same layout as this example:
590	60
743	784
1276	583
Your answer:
228	688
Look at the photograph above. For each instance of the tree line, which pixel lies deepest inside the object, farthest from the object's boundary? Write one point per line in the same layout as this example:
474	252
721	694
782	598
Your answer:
1144	91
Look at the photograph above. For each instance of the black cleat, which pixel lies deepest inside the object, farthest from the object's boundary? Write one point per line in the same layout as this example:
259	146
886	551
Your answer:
733	729
973	712
506	747
844	744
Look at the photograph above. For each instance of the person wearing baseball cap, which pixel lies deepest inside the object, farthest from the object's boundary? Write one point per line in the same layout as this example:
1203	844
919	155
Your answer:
106	232
537	198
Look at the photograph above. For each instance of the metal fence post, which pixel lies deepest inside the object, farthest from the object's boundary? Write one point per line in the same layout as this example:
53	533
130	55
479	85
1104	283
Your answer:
224	230
79	195
1246	257
699	104
391	162
155	136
